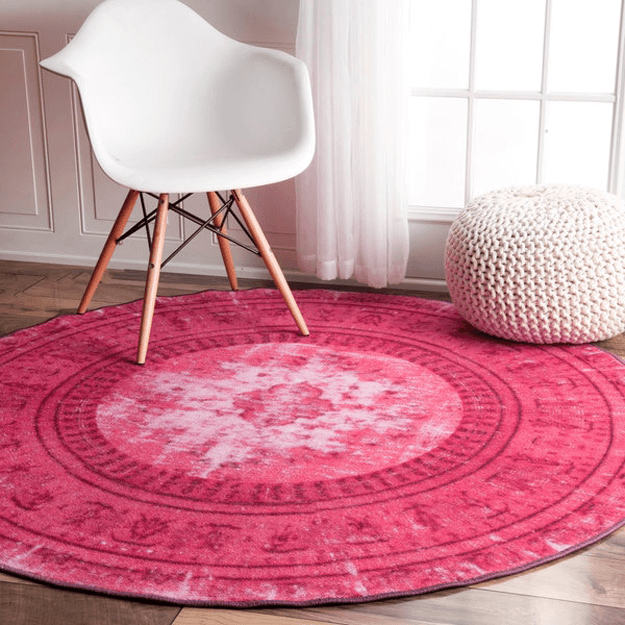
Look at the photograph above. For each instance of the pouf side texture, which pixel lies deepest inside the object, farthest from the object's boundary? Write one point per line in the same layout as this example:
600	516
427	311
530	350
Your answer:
540	264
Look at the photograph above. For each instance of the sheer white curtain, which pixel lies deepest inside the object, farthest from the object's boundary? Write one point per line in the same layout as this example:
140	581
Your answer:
352	201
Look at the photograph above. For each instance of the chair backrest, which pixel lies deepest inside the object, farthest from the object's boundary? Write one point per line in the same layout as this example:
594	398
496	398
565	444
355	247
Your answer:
154	72
130	57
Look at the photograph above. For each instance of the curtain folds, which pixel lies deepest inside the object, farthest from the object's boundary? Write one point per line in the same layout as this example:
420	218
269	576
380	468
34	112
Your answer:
352	205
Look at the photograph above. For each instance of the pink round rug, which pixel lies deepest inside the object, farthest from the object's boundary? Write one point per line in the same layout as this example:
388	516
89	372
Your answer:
394	451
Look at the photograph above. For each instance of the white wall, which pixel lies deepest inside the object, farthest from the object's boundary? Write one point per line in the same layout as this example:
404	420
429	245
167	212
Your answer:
57	206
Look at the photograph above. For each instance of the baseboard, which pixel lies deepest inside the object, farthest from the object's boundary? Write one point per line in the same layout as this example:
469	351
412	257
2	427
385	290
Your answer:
250	272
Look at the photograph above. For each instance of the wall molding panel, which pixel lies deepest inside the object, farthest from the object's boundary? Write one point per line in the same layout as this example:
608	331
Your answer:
24	176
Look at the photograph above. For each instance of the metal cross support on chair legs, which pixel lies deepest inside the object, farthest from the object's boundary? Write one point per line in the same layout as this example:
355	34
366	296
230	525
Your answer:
220	210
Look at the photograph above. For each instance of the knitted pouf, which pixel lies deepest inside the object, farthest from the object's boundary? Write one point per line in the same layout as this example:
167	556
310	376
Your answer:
542	264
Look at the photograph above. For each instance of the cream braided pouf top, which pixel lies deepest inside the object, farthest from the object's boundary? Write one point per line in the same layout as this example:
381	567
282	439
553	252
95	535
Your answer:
542	264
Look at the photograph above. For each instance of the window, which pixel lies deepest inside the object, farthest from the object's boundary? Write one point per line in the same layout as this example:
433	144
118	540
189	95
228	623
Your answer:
508	92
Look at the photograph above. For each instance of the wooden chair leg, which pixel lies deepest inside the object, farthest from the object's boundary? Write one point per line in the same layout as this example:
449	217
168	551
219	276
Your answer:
108	249
270	260
154	271
224	244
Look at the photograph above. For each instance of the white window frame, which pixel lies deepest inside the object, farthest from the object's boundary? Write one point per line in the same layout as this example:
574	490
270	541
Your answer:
616	171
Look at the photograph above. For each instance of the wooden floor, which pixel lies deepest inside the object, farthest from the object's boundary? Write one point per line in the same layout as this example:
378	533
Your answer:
586	588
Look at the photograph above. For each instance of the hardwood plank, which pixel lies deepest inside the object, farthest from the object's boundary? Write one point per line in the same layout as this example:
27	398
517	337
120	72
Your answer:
208	616
615	345
592	580
117	287
11	321
466	607
611	547
11	579
72	290
180	280
11	285
372	614
42	605
24	268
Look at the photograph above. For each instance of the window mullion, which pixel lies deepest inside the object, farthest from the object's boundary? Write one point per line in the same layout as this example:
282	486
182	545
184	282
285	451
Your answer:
616	173
542	124
468	186
514	95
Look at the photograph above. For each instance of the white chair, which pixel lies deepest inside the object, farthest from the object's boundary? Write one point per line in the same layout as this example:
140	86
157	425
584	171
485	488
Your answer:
174	106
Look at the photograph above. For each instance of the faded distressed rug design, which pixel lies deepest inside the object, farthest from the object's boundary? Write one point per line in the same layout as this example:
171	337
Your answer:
395	451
